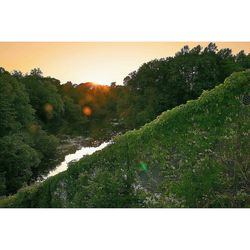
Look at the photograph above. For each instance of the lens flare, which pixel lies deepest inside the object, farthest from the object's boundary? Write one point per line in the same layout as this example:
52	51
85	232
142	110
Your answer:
87	111
144	166
33	128
48	108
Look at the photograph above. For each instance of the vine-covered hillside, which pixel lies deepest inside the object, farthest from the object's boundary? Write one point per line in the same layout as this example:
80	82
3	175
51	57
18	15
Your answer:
195	155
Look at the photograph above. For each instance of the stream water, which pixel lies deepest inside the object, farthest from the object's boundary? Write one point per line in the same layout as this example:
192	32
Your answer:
75	157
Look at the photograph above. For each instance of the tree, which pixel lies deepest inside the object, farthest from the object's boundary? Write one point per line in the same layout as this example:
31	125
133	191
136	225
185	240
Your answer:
2	70
163	84
44	98
196	50
36	72
17	159
113	84
211	48
25	149
17	73
243	60
15	110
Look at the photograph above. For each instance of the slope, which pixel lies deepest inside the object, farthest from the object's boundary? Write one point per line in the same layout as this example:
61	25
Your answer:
195	155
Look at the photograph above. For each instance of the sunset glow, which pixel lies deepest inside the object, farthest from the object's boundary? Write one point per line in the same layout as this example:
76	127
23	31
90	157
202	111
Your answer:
98	62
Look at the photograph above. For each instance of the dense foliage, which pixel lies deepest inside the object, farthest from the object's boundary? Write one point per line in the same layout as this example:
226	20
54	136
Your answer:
166	83
195	155
35	110
25	149
90	107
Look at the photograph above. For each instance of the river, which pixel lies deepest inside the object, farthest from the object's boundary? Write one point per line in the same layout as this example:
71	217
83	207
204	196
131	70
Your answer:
76	156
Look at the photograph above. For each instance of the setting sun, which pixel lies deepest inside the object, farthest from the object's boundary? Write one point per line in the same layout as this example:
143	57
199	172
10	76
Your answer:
98	62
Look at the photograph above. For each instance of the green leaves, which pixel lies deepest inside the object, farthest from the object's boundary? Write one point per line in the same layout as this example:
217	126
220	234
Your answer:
194	155
16	161
24	146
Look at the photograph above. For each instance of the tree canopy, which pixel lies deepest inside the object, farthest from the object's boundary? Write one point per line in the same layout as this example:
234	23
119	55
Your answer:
35	110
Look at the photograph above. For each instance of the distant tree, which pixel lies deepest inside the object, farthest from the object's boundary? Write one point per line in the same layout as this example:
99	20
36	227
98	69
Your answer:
17	74
241	56
2	70
185	50
243	59
211	48
36	72
196	50
129	77
225	53
113	84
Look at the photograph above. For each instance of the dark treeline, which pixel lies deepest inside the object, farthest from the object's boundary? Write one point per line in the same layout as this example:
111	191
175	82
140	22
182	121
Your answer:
163	84
34	109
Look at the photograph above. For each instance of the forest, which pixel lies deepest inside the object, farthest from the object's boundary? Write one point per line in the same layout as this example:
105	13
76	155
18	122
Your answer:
186	144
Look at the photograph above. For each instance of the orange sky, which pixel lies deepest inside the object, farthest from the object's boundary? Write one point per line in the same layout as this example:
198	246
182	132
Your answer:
99	62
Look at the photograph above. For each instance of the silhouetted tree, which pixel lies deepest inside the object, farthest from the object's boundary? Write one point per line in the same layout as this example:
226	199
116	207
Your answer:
36	72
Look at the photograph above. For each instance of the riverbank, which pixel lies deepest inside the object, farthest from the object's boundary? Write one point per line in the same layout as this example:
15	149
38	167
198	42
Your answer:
73	148
76	156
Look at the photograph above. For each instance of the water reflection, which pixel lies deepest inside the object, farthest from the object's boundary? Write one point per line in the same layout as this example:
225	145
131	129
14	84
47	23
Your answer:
75	157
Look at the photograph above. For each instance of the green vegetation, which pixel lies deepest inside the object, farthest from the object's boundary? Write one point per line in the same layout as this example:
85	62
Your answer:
194	155
25	149
34	110
168	82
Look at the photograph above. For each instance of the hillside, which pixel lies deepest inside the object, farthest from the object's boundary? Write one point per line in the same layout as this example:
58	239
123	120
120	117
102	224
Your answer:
195	155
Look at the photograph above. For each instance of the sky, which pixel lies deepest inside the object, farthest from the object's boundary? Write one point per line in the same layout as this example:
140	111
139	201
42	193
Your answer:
98	62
